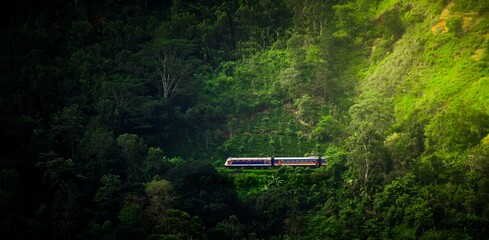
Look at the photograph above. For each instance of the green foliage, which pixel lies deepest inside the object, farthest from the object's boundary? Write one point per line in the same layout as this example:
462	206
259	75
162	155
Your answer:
231	227
329	129
173	65
394	93
68	123
161	197
454	24
477	157
99	150
392	22
179	223
456	130
107	193
214	199
471	5
133	150
403	151
308	109
275	133
121	96
250	183
155	163
404	205
131	215
371	120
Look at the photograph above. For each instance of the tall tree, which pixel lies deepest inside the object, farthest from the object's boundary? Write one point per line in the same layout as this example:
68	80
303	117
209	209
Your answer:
371	119
133	150
173	63
122	95
68	124
161	198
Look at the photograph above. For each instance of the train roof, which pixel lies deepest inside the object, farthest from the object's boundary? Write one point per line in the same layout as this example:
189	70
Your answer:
269	158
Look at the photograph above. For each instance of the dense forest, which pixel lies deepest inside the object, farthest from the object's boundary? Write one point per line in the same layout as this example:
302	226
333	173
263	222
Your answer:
118	115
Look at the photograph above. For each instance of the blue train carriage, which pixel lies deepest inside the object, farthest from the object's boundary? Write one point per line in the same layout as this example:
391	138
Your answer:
299	161
248	162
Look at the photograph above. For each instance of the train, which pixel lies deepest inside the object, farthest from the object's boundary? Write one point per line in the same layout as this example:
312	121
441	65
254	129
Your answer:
255	162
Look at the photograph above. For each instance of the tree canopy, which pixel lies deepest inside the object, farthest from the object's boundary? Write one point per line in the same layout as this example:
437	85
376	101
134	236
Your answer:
117	117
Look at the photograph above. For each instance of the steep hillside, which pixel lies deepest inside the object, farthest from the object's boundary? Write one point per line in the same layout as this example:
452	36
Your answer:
403	88
413	73
437	68
435	74
118	115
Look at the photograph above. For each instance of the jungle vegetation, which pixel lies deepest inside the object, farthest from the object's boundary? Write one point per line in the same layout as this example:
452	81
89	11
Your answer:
117	117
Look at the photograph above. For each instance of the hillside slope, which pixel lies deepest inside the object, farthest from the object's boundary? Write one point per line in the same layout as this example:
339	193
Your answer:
401	90
115	115
436	76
